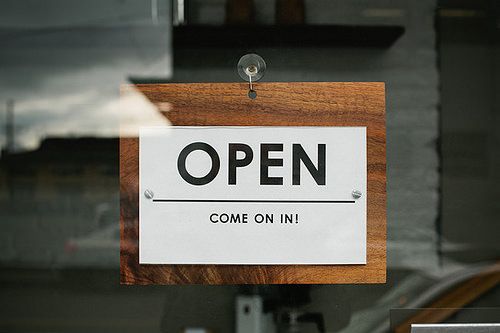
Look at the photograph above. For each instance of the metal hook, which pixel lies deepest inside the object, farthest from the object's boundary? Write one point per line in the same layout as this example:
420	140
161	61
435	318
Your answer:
251	68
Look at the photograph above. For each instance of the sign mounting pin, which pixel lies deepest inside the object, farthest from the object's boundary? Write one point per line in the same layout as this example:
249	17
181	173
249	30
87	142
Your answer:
356	194
149	194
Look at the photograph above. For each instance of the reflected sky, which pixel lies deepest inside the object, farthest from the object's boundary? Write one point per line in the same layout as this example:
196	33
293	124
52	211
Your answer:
63	64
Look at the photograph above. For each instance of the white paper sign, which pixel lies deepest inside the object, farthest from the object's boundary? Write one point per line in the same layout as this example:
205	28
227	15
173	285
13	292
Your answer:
252	195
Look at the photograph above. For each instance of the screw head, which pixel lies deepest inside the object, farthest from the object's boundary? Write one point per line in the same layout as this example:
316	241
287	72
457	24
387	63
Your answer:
149	194
356	194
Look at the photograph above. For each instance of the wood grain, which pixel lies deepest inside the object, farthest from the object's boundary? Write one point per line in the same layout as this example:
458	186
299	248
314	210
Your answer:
277	104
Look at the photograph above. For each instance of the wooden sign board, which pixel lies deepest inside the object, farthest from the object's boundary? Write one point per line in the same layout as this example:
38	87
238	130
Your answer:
343	104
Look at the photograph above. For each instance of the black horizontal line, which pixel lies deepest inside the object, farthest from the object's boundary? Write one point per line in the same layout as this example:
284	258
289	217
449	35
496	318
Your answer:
259	201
